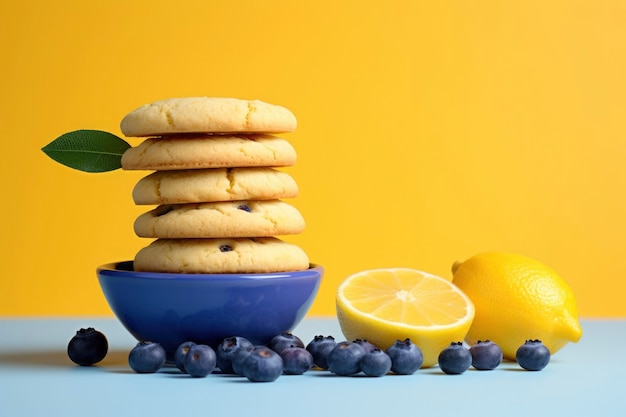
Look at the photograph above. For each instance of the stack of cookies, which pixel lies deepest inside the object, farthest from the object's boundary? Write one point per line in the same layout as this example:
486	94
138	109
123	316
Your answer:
216	187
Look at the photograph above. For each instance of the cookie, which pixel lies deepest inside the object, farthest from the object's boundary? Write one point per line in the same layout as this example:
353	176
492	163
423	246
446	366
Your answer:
243	255
218	184
221	219
207	115
209	151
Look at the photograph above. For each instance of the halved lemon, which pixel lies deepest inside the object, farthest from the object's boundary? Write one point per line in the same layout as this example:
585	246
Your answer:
385	305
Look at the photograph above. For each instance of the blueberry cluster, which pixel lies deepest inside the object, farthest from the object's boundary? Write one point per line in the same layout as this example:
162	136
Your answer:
486	355
286	354
360	356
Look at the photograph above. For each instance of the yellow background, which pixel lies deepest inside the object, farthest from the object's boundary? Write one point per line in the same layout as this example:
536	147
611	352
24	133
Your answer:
428	132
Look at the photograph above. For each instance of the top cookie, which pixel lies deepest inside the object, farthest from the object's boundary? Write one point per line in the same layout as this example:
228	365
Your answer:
207	115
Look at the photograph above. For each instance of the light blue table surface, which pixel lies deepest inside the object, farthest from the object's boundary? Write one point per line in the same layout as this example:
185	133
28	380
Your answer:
38	379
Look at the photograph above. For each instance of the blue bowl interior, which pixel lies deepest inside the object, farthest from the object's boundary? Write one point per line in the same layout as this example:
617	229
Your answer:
205	308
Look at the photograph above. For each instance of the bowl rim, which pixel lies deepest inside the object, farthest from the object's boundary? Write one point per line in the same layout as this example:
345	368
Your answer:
124	269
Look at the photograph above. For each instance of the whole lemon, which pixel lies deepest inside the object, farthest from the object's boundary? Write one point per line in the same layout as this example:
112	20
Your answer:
517	299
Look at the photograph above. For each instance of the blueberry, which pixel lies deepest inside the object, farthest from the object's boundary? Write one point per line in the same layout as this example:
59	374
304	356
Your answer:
262	365
320	348
296	360
227	350
180	353
240	357
244	207
406	357
375	363
455	359
486	355
365	345
533	355
87	347
345	358
284	341
200	361
146	357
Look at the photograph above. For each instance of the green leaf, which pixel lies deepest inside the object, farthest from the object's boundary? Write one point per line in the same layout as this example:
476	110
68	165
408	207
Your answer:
88	150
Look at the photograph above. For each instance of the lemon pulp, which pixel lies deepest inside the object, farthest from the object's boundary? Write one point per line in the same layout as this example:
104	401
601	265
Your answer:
385	305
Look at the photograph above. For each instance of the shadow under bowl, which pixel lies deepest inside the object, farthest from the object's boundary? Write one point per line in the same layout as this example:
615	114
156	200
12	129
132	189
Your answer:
172	308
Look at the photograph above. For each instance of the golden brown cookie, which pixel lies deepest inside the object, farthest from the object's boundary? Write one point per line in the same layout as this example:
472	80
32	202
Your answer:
219	184
207	115
220	219
209	151
228	255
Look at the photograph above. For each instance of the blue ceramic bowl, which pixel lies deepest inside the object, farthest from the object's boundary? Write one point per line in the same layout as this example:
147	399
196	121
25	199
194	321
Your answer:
205	308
